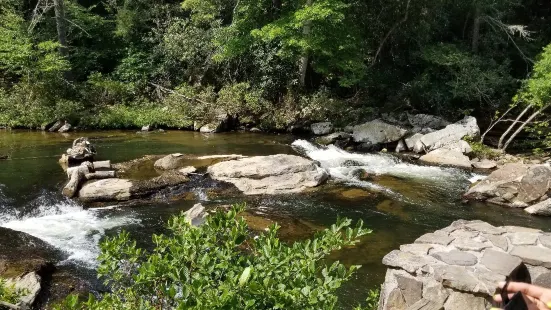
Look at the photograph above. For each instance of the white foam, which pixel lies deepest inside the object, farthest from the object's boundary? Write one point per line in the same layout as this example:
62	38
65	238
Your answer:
344	166
69	227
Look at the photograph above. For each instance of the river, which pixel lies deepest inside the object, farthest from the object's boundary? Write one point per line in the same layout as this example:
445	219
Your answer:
397	199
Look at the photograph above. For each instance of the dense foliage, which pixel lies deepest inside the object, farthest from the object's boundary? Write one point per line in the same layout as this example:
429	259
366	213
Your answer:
274	63
221	265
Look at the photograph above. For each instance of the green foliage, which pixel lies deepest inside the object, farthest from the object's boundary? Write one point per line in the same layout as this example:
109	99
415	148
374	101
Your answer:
482	151
9	293
537	89
218	265
372	300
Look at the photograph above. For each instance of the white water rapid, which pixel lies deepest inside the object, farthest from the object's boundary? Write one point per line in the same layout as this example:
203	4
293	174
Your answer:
344	166
68	227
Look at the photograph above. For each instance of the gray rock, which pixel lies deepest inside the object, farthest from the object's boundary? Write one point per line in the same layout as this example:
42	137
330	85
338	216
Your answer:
465	234
187	170
196	216
395	300
433	238
412	141
447	158
65	128
407	261
546	240
416	248
377	132
426	304
254	129
56	126
500	262
275	174
460	146
334	137
410	287
320	129
211	128
169	162
462	301
465	244
520	229
427	121
498	241
485	164
451	134
533	255
30	284
455	257
456	277
542	208
523	238
147	128
485	228
401	147
434	291
540	276
82	150
515	185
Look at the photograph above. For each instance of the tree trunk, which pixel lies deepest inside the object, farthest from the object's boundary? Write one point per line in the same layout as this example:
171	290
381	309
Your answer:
61	25
500	143
493	123
476	29
528	121
305	59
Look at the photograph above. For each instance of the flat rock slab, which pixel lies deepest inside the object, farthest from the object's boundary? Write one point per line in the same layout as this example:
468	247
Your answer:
500	262
533	255
455	257
546	240
486	228
435	238
408	261
447	157
524	238
275	174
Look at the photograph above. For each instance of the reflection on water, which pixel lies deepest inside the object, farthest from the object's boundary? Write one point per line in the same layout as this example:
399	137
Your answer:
397	199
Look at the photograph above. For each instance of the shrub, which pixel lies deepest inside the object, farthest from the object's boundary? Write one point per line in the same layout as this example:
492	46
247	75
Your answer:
9	293
219	266
482	151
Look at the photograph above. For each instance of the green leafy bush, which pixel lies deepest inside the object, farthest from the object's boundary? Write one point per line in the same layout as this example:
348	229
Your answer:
9	293
482	151
220	265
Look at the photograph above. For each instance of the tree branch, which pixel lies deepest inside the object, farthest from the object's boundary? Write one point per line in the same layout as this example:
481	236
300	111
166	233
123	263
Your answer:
403	20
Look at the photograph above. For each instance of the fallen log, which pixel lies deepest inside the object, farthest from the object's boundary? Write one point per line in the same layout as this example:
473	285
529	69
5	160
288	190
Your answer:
100	175
101	165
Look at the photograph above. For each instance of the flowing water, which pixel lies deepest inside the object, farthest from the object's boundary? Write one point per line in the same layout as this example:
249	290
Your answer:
398	199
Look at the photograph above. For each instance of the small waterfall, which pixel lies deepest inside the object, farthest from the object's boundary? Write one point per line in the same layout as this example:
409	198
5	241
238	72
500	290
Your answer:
346	167
68	227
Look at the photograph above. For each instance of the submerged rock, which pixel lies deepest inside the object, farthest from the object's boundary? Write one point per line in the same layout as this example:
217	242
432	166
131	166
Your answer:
514	185
320	129
457	267
275	174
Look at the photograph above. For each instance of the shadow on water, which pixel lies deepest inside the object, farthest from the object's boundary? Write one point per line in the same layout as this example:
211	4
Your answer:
398	200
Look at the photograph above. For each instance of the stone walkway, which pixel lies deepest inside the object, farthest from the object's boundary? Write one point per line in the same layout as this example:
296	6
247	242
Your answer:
459	266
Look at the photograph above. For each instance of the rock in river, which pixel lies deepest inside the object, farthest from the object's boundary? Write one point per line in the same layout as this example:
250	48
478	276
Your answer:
449	135
514	185
275	174
124	189
320	129
377	132
448	158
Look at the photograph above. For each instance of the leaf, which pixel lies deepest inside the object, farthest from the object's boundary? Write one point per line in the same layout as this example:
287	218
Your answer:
245	276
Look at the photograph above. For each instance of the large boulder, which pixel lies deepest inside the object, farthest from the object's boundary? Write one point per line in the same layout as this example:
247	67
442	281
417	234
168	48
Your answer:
275	174
447	157
124	189
453	133
459	266
65	128
514	185
427	121
169	162
377	132
320	129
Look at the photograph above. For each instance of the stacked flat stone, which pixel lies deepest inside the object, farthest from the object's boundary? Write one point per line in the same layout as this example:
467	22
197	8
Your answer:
458	267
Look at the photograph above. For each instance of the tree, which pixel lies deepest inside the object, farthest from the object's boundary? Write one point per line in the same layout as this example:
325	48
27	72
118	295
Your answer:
219	265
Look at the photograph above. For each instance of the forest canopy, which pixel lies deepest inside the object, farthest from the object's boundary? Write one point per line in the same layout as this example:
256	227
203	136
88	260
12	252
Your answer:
275	63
